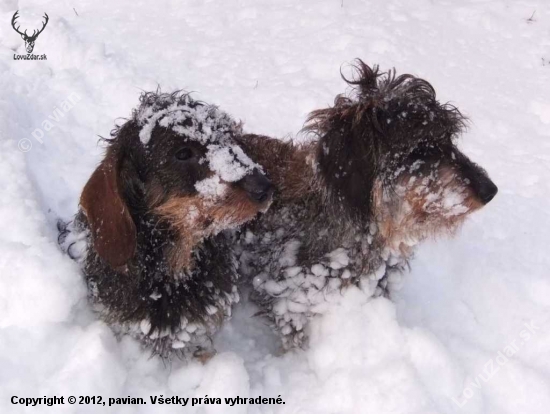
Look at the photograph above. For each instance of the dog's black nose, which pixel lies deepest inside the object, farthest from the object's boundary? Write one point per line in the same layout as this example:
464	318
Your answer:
486	191
257	186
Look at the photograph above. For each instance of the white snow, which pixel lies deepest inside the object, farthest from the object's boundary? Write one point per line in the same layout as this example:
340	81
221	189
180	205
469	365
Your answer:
229	162
288	257
202	123
469	332
206	124
211	187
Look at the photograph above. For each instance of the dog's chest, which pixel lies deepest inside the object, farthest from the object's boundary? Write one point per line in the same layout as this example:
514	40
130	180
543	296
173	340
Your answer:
168	313
299	262
288	240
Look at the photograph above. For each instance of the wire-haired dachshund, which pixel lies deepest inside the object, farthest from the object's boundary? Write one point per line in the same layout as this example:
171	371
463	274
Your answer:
381	173
150	230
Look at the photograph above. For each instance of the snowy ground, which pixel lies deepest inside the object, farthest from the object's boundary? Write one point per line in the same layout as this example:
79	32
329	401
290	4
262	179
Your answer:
435	349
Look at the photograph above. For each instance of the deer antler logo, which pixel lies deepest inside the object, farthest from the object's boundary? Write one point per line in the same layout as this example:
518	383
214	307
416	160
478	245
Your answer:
29	40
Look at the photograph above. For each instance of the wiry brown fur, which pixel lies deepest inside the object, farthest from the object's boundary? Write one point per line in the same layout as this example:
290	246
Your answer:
381	173
290	165
155	256
194	219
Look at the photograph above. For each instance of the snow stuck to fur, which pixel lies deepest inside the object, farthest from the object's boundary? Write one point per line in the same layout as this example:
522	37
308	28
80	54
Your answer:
211	188
296	294
464	300
188	335
189	118
196	121
229	162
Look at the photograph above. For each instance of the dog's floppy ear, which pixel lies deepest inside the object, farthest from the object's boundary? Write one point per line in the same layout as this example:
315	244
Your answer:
346	155
349	146
104	203
385	114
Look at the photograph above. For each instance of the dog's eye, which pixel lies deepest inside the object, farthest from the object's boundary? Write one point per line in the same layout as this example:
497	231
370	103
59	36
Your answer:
184	154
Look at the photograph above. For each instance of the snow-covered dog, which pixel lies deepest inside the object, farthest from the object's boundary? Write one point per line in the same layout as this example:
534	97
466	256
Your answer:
382	174
150	229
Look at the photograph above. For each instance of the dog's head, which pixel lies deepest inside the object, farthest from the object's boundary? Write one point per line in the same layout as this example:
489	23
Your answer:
176	159
389	153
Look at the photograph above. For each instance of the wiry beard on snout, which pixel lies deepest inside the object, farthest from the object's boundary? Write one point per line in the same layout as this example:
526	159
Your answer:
419	206
197	217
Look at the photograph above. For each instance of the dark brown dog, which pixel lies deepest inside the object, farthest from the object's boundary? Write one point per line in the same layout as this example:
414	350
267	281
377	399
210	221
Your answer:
382	174
152	221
